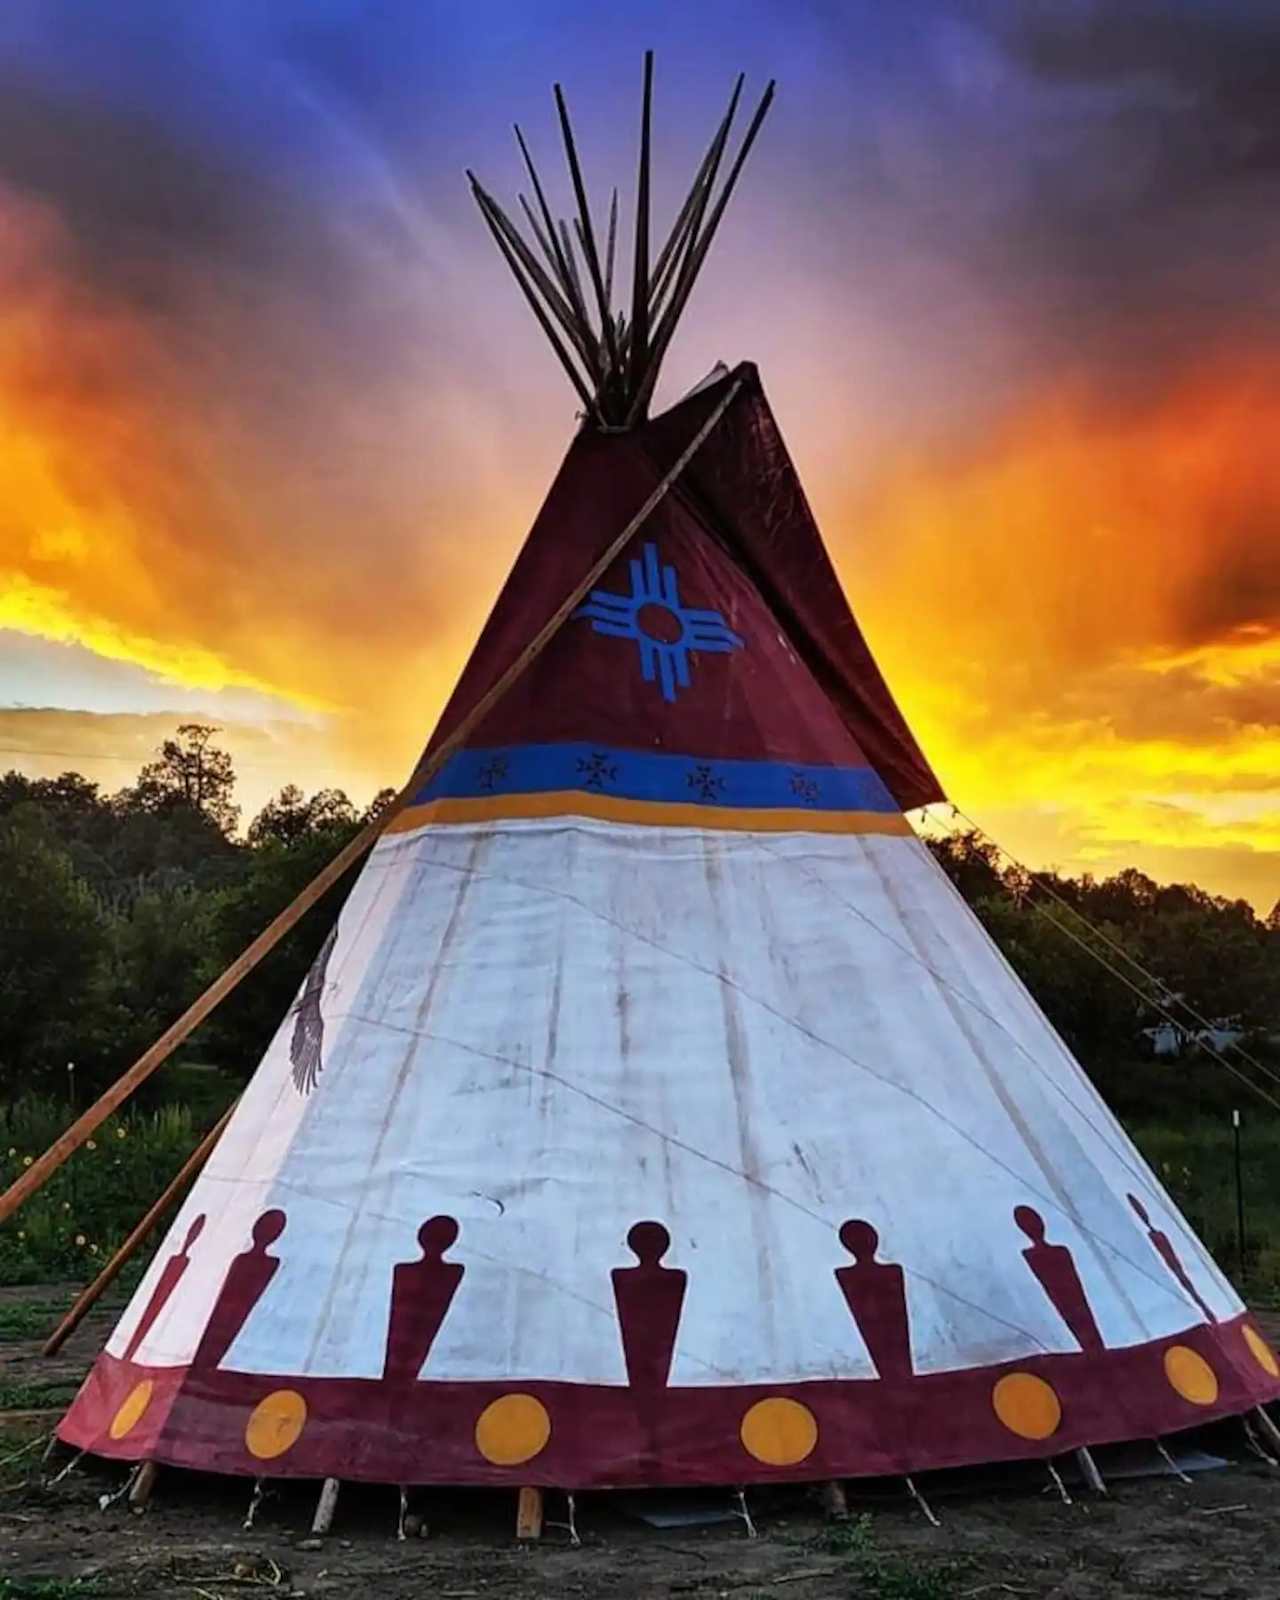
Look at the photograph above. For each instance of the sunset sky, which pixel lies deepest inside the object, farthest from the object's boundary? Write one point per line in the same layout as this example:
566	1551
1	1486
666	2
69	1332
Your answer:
274	421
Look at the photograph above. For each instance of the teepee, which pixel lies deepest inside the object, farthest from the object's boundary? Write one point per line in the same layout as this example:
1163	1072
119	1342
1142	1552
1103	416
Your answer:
656	1112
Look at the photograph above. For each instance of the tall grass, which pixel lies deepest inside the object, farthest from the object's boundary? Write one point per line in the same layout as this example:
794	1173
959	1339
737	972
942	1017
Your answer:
84	1211
1196	1163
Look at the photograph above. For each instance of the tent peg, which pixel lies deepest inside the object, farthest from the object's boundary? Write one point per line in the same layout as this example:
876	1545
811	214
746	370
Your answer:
1255	1445
69	1468
255	1500
1056	1476
920	1500
1169	1462
1089	1470
107	1500
570	1525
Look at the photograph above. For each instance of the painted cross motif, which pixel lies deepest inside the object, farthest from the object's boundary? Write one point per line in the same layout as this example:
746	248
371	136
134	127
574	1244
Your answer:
596	770
667	632
705	783
493	772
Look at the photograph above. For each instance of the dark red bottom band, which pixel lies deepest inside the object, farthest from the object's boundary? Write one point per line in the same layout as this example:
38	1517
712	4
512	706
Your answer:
581	1436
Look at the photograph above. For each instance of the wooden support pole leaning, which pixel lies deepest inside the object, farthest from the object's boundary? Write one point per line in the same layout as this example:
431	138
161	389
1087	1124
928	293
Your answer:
89	1121
529	1514
555	251
638	353
695	201
535	305
90	1296
696	255
608	332
553	300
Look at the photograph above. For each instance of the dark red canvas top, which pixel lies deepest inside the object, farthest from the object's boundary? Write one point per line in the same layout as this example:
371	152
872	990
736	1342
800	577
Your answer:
747	546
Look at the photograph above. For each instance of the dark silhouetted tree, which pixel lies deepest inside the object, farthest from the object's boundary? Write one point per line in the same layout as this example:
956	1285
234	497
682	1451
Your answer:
193	772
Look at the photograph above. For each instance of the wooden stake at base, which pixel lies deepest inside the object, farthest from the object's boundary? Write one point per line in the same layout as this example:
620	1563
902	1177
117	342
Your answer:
326	1506
1269	1429
529	1514
143	1484
834	1505
1089	1470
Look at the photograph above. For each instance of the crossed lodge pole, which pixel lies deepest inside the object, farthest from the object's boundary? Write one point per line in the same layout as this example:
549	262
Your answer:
89	1121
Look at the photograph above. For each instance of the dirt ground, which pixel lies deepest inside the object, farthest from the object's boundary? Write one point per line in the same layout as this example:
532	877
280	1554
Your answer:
1002	1533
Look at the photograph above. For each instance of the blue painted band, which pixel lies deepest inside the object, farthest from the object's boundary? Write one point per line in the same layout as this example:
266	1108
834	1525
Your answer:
642	775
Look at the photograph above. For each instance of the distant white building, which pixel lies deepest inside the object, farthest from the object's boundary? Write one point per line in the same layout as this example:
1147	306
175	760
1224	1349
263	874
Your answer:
1170	1039
1167	1039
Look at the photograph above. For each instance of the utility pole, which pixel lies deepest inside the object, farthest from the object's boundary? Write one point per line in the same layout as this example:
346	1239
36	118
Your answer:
1235	1124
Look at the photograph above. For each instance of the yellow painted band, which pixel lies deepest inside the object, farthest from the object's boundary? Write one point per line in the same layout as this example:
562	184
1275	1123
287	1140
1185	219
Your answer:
647	813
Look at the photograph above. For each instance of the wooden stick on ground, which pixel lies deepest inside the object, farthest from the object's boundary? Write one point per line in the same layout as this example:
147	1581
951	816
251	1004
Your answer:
87	1124
89	1297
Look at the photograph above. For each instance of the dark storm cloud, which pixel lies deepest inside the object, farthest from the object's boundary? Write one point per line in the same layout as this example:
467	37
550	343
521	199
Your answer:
1149	211
1205	78
1180	704
129	187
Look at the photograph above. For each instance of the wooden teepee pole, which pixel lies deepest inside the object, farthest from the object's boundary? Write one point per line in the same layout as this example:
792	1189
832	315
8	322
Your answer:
638	354
90	1296
86	1124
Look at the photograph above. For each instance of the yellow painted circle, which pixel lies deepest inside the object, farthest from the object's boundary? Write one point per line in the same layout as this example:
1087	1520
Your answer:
779	1432
1191	1375
513	1429
1262	1352
1027	1405
275	1424
130	1413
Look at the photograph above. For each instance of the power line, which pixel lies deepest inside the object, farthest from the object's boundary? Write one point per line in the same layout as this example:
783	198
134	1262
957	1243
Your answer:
1156	1003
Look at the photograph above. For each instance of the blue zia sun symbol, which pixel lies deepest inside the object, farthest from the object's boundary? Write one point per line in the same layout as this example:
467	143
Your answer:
667	632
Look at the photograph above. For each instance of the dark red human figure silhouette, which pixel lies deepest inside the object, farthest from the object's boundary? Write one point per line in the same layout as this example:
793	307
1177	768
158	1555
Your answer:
649	1298
876	1293
421	1293
244	1285
1056	1273
167	1282
1163	1247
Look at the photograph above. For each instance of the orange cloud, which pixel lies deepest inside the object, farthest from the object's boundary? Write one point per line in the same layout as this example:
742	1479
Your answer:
1081	616
96	536
211	499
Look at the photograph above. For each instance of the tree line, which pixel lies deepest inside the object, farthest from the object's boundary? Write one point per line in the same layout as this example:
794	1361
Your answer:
117	910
